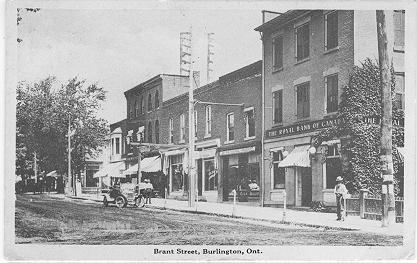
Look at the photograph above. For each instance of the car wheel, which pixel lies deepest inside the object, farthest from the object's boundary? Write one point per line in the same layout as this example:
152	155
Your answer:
105	202
140	201
120	201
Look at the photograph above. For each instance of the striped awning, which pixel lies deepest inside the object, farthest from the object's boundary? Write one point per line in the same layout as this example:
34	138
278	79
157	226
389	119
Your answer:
298	157
148	165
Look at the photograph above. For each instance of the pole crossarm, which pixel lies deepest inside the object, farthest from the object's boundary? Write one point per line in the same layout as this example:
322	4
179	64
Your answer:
219	103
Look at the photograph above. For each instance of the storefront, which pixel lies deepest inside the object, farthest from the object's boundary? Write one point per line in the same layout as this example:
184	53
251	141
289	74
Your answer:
241	171
175	167
206	159
293	170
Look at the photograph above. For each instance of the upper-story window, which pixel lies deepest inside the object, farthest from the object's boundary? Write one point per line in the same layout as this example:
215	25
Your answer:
112	146
331	32
182	128
331	84
303	100
208	120
277	51
149	131
117	145
302	40
137	107
149	102
249	123
399	91
157	131
142	105
399	28
277	104
230	126
171	130
156	99
131	109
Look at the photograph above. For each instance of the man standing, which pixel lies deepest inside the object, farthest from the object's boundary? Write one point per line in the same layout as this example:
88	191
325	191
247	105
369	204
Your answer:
148	191
340	192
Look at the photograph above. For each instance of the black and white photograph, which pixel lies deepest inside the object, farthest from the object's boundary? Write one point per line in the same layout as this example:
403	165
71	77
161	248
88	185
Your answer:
209	131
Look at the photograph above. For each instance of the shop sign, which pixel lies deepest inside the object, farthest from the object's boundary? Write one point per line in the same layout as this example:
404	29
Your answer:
238	151
320	124
301	128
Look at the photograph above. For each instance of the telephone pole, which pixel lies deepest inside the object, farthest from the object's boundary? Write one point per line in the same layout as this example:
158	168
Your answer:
191	134
387	168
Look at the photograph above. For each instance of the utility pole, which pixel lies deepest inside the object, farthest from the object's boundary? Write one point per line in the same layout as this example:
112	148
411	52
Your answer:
210	54
387	168
191	170
69	155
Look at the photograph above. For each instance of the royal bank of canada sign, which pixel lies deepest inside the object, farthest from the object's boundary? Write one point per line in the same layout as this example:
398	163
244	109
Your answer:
311	126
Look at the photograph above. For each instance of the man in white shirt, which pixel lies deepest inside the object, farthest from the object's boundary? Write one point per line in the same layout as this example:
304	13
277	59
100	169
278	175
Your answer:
148	191
340	192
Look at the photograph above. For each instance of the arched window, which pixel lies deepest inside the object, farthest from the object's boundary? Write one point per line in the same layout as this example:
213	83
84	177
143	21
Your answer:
149	102
150	132
142	105
156	99
156	131
136	108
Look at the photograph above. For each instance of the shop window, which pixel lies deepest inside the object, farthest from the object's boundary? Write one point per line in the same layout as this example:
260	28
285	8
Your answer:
303	100
277	101
177	174
331	84
210	175
156	131
302	39
171	130
230	126
150	102
331	30
333	165
278	172
277	50
149	131
182	128
208	120
250	123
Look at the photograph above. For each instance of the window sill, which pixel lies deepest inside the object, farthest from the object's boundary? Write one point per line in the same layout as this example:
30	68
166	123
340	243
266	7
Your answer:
182	141
229	142
330	115
398	49
302	61
302	120
279	124
207	136
327	191
249	138
277	190
328	51
275	70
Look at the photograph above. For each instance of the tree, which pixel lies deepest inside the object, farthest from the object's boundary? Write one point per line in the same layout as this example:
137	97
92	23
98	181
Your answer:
361	99
43	116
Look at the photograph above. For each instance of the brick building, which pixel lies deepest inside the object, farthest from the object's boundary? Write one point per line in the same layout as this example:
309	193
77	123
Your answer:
307	58
227	136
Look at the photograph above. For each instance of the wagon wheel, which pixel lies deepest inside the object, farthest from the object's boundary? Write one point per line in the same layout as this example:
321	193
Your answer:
140	201
120	202
105	202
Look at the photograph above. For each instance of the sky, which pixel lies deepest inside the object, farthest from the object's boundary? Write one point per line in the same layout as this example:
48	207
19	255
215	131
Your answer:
118	49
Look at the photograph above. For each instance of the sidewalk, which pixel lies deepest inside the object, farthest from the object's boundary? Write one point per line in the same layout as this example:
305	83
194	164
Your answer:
313	219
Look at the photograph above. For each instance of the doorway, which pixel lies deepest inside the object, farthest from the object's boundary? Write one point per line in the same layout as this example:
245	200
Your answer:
306	186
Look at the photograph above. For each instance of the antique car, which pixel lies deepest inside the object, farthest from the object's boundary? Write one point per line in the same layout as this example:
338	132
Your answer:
126	193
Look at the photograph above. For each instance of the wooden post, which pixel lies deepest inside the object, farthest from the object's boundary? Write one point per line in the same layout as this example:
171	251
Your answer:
362	196
234	202
387	170
284	212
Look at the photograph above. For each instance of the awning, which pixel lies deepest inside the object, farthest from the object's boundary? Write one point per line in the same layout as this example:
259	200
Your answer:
298	157
148	165
52	174
111	170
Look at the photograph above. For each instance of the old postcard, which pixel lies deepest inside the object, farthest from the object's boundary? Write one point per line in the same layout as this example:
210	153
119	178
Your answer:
212	131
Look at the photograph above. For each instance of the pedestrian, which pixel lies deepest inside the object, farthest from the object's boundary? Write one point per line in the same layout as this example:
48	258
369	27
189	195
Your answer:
340	192
148	191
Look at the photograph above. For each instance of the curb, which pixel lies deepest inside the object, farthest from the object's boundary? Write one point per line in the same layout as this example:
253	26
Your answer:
258	219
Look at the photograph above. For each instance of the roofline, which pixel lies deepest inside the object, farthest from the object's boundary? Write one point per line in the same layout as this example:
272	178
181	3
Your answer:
287	17
153	79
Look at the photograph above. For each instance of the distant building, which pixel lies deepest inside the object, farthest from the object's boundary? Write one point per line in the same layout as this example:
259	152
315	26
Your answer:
308	55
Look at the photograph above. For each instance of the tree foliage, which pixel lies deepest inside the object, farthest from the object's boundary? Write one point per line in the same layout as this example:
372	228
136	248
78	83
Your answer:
43	116
360	149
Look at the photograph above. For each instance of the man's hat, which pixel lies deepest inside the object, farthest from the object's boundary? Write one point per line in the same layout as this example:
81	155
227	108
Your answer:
339	179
